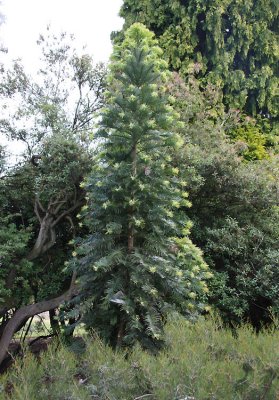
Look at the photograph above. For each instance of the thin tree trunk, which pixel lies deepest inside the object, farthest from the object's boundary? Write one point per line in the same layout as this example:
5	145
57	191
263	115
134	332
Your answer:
45	239
28	329
54	323
120	333
131	243
131	231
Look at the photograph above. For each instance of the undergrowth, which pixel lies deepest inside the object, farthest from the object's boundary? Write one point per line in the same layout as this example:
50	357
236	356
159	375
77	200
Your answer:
203	361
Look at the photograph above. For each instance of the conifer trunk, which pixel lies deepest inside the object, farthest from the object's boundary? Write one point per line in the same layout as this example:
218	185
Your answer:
131	233
131	238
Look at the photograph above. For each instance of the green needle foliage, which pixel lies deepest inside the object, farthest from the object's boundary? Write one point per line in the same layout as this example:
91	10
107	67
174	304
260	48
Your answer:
138	262
232	44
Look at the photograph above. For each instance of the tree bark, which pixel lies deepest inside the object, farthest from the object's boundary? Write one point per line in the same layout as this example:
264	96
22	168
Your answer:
130	244
131	229
45	240
29	311
120	333
51	217
54	323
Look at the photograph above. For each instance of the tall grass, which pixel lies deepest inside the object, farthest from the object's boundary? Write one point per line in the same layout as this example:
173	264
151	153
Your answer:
203	361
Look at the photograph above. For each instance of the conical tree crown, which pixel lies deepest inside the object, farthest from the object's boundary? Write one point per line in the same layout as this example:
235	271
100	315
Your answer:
138	262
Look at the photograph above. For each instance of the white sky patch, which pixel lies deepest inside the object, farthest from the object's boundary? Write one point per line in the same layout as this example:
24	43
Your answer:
91	22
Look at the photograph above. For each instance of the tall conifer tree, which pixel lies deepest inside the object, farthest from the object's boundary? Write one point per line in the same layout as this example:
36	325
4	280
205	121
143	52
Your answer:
138	262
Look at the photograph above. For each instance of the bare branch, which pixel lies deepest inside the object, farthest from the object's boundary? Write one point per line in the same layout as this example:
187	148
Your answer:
36	209
77	109
59	205
67	212
37	199
68	217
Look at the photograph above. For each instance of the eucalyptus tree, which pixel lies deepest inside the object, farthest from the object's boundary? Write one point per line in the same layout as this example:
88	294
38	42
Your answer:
53	114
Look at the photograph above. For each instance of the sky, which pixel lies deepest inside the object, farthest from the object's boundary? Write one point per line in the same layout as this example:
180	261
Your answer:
91	22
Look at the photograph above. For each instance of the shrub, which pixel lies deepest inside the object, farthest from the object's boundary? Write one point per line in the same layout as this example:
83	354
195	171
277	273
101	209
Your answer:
200	361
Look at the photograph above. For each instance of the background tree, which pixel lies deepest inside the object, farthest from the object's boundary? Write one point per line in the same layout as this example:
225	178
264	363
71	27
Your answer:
53	116
227	57
61	97
232	44
138	262
235	205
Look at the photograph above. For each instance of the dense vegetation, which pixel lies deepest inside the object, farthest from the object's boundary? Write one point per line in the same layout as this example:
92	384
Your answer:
200	361
52	114
232	44
219	89
234	205
147	195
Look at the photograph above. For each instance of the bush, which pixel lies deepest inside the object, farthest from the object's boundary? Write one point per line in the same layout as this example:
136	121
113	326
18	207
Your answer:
234	203
201	361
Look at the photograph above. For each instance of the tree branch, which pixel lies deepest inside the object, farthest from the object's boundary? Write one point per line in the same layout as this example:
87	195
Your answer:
67	212
36	209
29	311
40	204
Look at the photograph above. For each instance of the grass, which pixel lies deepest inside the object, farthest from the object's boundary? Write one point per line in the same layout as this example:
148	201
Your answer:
201	362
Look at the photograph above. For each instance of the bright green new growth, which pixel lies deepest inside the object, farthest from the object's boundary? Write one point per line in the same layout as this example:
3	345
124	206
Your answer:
138	263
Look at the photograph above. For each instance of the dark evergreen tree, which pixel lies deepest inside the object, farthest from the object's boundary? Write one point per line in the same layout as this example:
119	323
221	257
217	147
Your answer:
230	43
138	262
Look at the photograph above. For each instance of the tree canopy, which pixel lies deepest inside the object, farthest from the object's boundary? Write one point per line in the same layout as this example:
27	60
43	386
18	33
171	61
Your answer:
234	205
232	44
53	115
